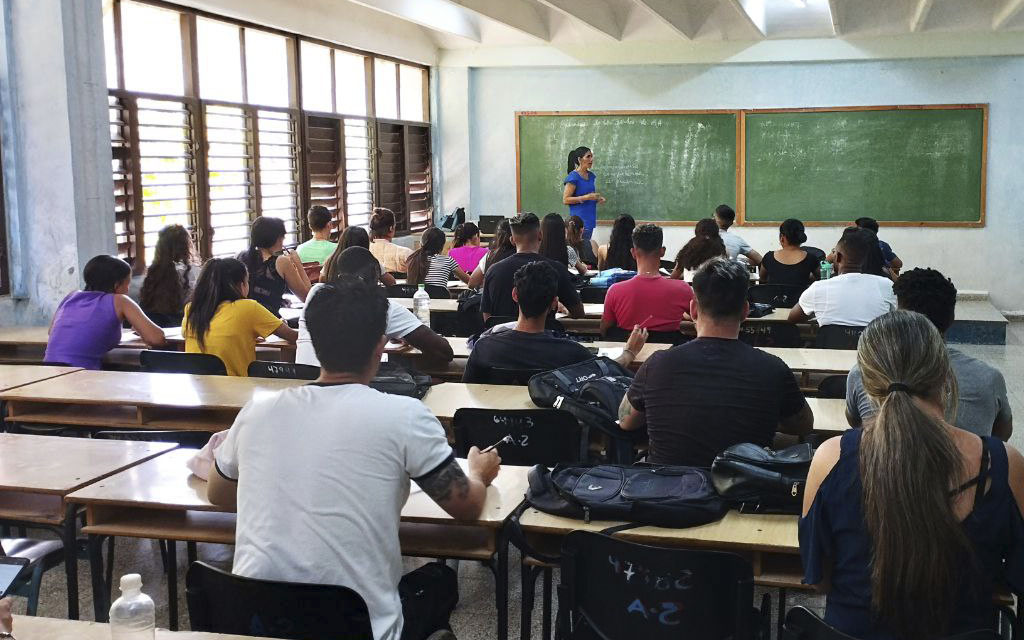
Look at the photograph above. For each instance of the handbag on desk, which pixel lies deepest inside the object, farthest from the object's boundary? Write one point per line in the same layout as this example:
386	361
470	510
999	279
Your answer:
759	480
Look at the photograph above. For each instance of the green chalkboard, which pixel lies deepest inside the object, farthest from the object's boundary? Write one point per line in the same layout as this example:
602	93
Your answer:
655	166
918	166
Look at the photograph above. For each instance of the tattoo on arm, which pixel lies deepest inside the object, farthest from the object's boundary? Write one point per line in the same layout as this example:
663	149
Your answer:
446	483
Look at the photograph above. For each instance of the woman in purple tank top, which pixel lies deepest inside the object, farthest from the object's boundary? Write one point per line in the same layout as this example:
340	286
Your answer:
88	323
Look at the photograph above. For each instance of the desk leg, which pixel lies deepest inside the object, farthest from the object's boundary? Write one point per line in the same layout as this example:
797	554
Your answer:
71	558
172	585
100	590
501	584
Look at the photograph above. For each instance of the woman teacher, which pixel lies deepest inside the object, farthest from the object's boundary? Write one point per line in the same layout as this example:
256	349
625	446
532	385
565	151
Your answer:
580	191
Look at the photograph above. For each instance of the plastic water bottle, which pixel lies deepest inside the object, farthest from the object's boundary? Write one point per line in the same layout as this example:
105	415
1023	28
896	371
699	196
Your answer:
133	615
826	269
421	305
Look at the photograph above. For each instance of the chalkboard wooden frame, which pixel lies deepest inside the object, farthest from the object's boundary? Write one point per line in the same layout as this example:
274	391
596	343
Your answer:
741	158
639	112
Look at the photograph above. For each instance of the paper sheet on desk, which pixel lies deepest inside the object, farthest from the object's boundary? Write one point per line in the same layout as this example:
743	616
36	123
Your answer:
415	488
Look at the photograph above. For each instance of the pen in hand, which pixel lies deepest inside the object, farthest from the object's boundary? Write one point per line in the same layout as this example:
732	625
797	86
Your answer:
506	440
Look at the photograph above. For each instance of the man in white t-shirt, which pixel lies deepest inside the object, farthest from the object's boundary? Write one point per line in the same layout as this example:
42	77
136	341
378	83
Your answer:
734	244
401	323
852	298
320	473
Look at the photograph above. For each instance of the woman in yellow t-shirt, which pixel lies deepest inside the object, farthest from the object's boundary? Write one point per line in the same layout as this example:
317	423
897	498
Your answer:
222	321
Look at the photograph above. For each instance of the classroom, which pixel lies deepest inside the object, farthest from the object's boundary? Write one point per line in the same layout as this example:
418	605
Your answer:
482	319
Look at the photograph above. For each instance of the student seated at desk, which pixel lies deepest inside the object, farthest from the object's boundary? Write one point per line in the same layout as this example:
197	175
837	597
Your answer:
528	345
889	258
401	323
735	246
272	270
171	277
497	297
699	398
910	525
982	407
616	252
852	298
319	247
466	249
320	473
500	248
391	256
585	248
703	246
427	265
874	262
790	265
87	323
648	300
222	321
353	237
554	245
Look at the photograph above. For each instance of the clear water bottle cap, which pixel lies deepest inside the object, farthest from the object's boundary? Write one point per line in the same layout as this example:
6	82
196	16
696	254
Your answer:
422	285
131	581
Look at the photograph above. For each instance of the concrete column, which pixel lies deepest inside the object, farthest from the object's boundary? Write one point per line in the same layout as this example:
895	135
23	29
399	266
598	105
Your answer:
452	126
56	150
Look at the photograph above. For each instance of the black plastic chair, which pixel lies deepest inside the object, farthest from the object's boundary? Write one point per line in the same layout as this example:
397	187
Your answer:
780	296
832	387
401	290
819	255
618	334
802	624
540	436
437	292
593	294
205	364
282	370
518	377
42	555
613	589
667	265
771	334
221	602
837	336
550	323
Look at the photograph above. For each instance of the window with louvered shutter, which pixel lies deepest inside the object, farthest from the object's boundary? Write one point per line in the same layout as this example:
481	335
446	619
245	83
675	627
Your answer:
124	193
229	160
323	166
391	172
277	168
418	177
358	172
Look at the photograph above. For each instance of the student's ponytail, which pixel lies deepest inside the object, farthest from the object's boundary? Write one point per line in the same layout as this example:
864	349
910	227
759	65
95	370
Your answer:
908	462
418	263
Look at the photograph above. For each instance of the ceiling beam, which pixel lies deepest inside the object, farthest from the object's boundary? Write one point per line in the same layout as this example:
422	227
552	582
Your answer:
757	23
672	13
520	15
920	14
438	15
596	14
1010	9
833	12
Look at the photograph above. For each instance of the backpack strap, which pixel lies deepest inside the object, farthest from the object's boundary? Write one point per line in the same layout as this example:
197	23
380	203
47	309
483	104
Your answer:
517	536
621	527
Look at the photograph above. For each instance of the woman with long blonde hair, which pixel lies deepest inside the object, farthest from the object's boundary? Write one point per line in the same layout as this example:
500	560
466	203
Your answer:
910	523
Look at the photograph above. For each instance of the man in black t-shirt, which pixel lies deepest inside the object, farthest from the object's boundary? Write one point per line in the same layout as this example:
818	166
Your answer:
497	294
528	345
699	398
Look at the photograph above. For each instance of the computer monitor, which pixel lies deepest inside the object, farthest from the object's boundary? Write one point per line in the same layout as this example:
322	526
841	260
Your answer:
488	225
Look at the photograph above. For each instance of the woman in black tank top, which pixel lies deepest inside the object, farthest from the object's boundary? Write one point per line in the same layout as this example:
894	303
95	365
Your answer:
272	271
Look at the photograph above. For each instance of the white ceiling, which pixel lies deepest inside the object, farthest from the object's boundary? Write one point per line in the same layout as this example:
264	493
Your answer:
461	24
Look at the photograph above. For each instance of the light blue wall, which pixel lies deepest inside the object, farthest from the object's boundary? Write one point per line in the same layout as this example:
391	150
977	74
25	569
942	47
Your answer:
974	258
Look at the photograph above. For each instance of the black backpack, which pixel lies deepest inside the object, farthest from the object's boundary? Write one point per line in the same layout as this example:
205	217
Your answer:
758	480
661	496
592	391
470	321
401	381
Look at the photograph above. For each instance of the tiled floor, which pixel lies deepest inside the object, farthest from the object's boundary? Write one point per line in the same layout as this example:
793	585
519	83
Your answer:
475	615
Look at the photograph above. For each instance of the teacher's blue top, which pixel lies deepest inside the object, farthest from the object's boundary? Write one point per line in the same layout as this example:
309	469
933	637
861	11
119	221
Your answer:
585	210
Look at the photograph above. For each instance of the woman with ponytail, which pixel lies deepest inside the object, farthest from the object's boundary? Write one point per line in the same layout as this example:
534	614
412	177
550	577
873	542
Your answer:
580	189
272	270
910	523
790	265
220	320
427	265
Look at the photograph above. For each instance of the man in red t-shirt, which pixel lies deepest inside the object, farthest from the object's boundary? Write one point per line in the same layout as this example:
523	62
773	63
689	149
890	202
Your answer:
650	300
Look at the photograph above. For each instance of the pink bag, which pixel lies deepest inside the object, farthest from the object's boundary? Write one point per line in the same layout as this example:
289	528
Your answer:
201	464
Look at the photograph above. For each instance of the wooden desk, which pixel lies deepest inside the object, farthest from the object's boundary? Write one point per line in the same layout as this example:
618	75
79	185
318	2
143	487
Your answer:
446	398
37	472
161	499
17	375
33	628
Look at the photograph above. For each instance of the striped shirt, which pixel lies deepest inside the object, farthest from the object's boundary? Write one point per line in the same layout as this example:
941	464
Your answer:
440	270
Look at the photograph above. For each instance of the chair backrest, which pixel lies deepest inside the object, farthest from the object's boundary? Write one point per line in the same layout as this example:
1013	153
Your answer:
401	290
540	436
771	334
312	270
550	323
187	439
802	624
221	602
832	387
179	362
593	294
617	334
622	589
519	377
286	370
667	265
837	336
781	296
437	292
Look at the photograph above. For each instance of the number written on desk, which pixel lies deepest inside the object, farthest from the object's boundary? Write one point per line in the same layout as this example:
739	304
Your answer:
656	587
